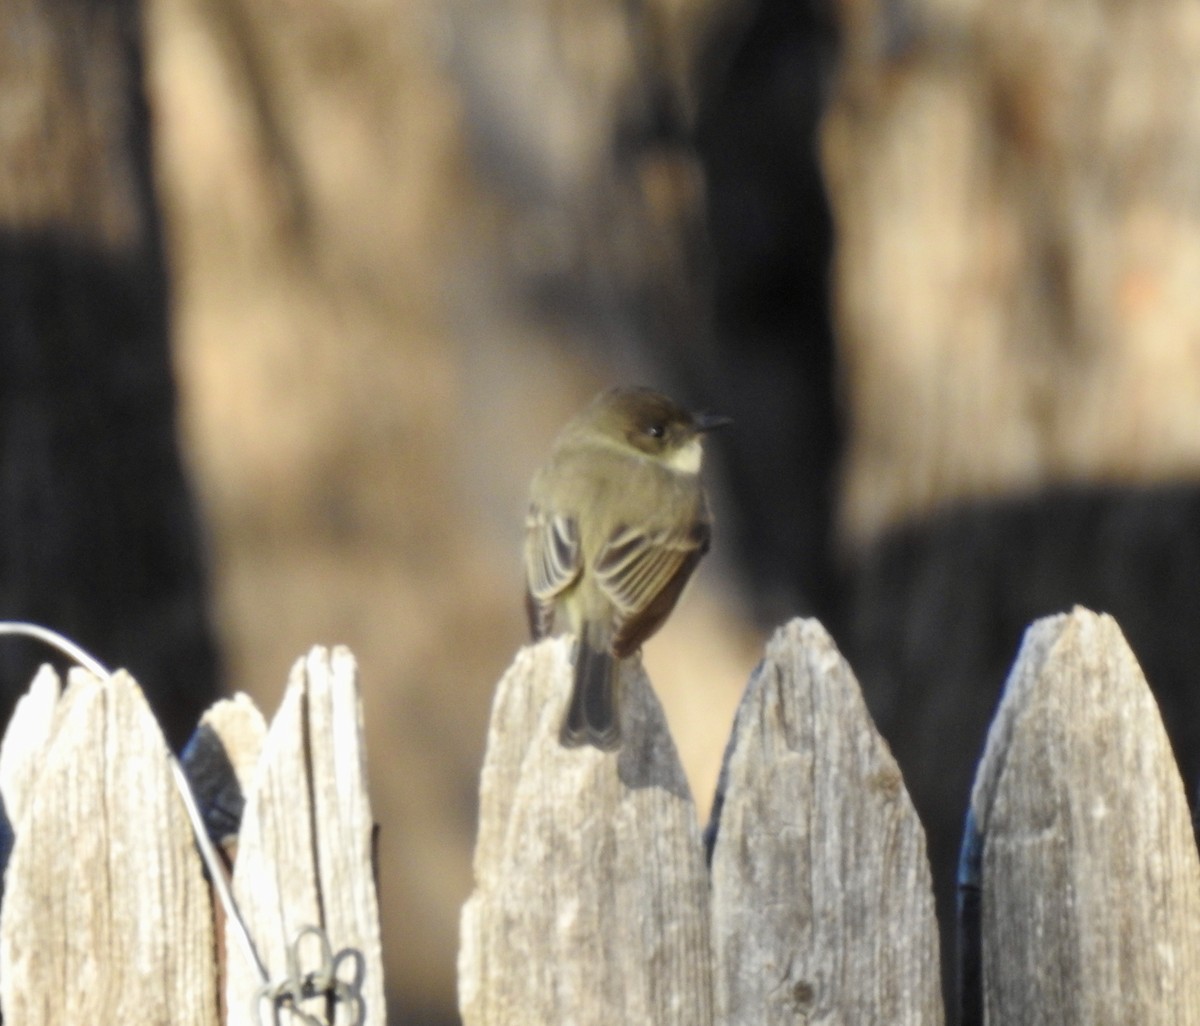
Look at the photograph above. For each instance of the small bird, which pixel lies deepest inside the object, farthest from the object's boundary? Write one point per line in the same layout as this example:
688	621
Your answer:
617	522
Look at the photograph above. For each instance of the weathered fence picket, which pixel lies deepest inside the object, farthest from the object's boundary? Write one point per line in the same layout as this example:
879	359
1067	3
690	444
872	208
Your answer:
590	891
1090	879
107	914
593	901
305	846
591	898
822	898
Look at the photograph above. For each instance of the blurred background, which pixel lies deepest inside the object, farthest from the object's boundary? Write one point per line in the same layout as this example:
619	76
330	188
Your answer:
295	293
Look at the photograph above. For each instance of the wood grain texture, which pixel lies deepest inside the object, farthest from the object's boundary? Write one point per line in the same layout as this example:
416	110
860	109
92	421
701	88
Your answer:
591	901
305	847
1091	881
106	915
822	901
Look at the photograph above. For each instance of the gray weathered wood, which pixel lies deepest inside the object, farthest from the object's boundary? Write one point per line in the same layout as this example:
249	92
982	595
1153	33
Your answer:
591	900
1091	881
822	900
305	847
106	915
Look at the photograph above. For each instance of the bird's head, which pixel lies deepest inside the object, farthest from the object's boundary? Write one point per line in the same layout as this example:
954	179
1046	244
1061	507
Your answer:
653	425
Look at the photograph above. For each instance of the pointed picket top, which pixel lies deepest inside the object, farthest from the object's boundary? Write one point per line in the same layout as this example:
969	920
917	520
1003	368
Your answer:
106	915
822	896
591	895
1090	880
242	731
220	760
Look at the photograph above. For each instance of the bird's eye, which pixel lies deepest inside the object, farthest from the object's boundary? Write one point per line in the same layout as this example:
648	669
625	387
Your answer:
655	430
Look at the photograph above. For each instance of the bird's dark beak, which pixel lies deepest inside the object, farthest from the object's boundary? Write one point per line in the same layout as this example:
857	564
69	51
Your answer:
705	422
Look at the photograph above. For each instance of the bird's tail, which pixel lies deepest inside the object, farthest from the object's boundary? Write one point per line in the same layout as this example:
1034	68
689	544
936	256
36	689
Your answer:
593	717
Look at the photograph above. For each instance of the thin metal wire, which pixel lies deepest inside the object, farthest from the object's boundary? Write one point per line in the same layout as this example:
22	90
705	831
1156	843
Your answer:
55	640
216	869
295	988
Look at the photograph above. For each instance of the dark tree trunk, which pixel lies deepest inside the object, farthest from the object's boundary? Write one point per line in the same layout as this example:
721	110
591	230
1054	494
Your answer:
98	531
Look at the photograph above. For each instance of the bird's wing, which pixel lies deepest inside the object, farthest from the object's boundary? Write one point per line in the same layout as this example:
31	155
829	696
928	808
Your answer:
553	562
643	573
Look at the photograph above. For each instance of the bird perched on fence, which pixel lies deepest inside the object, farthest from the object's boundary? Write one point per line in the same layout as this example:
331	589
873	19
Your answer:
617	522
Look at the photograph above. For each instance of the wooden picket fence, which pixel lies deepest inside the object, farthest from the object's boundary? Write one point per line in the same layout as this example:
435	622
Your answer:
108	915
596	900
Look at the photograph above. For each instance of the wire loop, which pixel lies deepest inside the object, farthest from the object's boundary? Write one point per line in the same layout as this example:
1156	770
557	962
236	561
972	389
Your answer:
325	982
322	983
